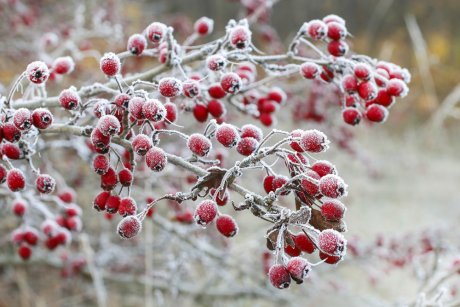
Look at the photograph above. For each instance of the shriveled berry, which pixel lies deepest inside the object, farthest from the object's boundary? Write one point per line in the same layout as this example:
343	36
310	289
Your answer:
333	210
45	183
110	64
156	159
205	212
141	144
246	146
170	87
227	135
298	268
69	99
314	141
136	44
332	186
199	144
226	225
129	227
279	276
37	72
109	180
15	180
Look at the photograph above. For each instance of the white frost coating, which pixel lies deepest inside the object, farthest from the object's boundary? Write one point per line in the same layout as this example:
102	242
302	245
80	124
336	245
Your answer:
37	72
108	125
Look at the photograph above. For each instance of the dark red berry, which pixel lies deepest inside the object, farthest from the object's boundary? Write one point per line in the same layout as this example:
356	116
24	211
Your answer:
226	225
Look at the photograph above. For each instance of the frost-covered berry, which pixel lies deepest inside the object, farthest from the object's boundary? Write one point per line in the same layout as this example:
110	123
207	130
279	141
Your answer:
108	125
22	119
376	113
310	185
279	182
333	210
3	173
323	168
349	83
367	90
246	146
314	141
45	183
109	180
227	135
397	88
220	199
113	203
200	112
240	37
156	159
171	112
11	133
19	207
12	151
101	107
156	32
69	99
24	251
362	71
250	130
205	212
316	29
125	177
216	91
170	87
136	44
37	72
332	186
298	268
127	206
351	116
100	200
199	144
129	227
216	62
153	110
294	144
110	64
203	26
99	140
15	180
384	99
304	243
277	94
337	48
310	70
268	183
42	118
336	31
122	100
63	65
191	88
141	144
226	225
231	83
216	108
279	276
135	107
332	242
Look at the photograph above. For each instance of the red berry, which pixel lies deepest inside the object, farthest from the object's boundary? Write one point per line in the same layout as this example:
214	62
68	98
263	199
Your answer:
298	268
295	145
376	113
279	182
113	203
110	64
127	207
216	108
73	210
42	118
268	183
3	173
314	141
397	88
292	251
317	29
122	100
226	225
329	259
199	144
279	276
171	112
109	180
351	116
74	223
63	65
136	44
170	87
349	84
216	62
129	227
156	31
108	125
68	195
19	207
220	200
246	146
11	133
101	164
303	242
227	135
231	83
141	144
12	151
100	140
200	112
216	91
309	186
266	119
45	184
185	217
205	212
153	110
135	107
100	200
367	90
277	94
156	159
323	168
24	252
240	37
15	180
203	26
191	88
332	242
37	72
309	70
337	48
333	210
22	119
384	99
332	186
69	99
250	130
125	177
31	236
336	31
362	71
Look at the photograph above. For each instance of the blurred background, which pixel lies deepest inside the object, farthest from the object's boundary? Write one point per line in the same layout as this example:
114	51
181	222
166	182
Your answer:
403	175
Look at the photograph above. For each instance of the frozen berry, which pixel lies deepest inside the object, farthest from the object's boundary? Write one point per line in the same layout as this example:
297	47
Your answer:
191	88
63	65
42	118
136	44
246	146
69	99
100	200
15	180
349	84
221	199
332	242
45	183
22	119
216	108
351	116
110	64
323	168
250	130
294	144
310	184
101	164
205	212
3	173
268	183
127	206
99	140
397	88
135	107
12	151
113	203
336	31
304	243
332	186
108	125
376	113
170	87
37	72
19	207
333	210
227	135
153	110
298	268
316	29
203	26
329	259
216	91
310	70
240	37
231	83
279	276
171	112
199	144
216	62
337	48
226	225
125	177
362	71
156	31
200	112
129	227
109	180
314	141
141	144
11	133
367	90
156	159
